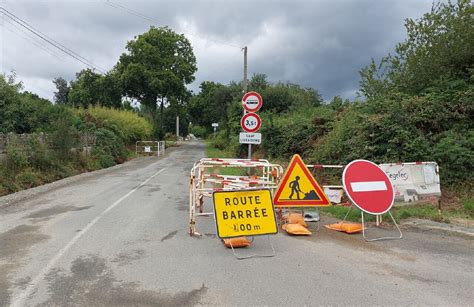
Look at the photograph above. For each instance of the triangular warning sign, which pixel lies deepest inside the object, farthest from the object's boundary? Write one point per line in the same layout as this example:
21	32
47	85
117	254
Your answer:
298	188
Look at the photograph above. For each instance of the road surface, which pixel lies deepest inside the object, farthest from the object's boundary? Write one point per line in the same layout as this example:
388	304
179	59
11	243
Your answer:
119	237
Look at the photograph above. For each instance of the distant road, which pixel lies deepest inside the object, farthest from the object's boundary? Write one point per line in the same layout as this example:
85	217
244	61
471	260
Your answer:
119	237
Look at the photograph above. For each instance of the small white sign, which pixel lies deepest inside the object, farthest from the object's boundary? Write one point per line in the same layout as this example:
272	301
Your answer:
250	138
215	125
147	149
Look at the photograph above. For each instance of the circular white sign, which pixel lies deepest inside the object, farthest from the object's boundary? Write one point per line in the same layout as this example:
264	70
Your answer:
252	102
250	122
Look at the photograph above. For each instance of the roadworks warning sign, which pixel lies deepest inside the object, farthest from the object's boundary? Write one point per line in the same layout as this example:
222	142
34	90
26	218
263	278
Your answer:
299	188
244	213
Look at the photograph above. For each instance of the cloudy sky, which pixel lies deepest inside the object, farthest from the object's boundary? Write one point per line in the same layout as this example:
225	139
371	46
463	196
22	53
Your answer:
316	43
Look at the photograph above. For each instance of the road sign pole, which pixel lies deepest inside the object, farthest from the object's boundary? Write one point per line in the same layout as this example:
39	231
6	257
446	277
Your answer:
245	91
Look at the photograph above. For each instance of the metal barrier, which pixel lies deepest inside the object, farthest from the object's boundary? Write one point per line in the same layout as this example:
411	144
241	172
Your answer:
203	184
271	174
147	147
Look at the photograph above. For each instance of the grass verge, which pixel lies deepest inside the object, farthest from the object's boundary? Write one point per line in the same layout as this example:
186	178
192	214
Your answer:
214	152
421	211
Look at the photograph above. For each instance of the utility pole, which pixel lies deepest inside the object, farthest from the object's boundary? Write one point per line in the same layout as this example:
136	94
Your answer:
245	90
245	69
177	128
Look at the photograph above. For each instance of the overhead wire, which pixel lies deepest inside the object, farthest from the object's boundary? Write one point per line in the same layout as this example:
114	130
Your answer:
155	21
50	41
27	37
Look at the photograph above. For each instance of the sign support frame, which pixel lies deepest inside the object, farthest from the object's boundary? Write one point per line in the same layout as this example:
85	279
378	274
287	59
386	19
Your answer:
241	257
381	238
362	205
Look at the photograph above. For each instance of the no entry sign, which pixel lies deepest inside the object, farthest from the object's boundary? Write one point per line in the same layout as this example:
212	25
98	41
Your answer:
252	102
368	187
250	122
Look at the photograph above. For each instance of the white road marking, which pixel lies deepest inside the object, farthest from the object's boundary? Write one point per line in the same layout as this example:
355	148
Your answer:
19	299
367	186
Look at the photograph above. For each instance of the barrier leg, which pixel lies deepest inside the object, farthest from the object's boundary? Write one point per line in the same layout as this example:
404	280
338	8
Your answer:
242	257
381	238
347	214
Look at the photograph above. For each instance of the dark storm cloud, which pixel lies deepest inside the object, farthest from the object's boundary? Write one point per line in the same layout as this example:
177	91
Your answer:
320	44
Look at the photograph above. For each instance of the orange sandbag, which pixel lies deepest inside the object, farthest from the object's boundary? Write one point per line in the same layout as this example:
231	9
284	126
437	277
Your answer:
237	242
345	227
295	218
296	229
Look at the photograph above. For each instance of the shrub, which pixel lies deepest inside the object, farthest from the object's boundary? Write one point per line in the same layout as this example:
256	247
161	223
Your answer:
16	158
109	147
198	131
39	156
127	125
28	178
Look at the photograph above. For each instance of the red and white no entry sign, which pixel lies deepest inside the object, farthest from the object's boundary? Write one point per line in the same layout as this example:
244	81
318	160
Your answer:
368	187
252	101
250	122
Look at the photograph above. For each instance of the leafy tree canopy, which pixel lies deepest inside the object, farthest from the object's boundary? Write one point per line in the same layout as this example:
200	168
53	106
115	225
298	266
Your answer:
159	63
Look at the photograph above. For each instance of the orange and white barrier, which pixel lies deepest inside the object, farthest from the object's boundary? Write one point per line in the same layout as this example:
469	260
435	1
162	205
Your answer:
204	181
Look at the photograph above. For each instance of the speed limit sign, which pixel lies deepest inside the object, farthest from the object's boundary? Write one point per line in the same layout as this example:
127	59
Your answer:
250	122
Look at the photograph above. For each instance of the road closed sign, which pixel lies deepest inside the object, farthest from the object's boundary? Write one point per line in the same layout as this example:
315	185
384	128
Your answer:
244	213
368	187
252	102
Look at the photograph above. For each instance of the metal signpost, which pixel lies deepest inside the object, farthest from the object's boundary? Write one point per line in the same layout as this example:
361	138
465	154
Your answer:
250	122
215	125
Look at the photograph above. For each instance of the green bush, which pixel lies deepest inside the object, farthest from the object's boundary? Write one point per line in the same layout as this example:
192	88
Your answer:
468	204
198	131
15	158
109	147
40	157
220	141
127	125
64	136
28	178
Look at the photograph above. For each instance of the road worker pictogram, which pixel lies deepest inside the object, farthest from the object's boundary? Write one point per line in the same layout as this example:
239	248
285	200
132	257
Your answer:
298	188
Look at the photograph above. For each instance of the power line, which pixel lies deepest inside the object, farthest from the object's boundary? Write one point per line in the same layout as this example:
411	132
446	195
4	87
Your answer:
49	40
155	21
27	37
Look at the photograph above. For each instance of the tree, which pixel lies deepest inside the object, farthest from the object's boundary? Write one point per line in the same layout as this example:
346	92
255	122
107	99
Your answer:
61	95
91	88
438	49
158	65
84	90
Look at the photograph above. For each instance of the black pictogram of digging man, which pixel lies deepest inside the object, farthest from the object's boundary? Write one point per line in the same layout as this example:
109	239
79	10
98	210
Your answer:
295	188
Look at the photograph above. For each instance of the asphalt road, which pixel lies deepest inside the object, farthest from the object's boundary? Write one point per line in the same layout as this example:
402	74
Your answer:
119	237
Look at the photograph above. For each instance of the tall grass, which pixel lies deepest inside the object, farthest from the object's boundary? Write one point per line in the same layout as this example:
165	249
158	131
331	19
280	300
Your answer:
128	125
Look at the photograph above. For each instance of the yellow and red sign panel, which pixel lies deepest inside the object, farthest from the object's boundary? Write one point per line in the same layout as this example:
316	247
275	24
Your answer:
244	213
298	188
